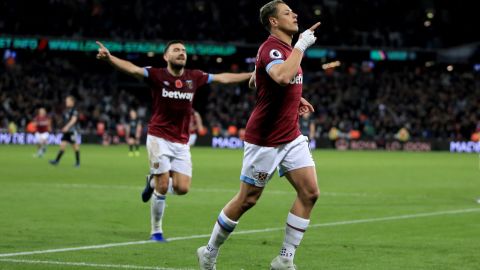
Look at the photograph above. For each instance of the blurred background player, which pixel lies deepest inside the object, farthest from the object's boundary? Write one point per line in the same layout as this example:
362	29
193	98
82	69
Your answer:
196	127
273	139
133	133
307	127
43	125
172	90
70	134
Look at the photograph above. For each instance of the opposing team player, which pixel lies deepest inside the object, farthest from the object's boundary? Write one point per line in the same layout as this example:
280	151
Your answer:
172	89
272	137
70	132
43	126
134	133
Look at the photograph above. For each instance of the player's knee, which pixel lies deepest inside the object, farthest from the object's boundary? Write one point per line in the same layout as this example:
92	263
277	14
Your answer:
248	203
161	187
310	196
181	190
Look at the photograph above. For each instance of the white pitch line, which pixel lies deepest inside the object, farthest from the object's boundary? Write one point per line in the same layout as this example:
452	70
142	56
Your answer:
117	266
180	238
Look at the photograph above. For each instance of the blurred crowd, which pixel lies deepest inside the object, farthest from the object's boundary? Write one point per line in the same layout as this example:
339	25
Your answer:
45	82
375	103
386	23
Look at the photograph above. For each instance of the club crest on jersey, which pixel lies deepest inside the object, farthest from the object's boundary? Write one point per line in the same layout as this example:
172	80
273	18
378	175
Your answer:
275	54
178	84
189	84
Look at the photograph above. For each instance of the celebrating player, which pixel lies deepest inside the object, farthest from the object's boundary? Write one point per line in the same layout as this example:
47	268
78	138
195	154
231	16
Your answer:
70	134
272	137
172	90
133	133
43	126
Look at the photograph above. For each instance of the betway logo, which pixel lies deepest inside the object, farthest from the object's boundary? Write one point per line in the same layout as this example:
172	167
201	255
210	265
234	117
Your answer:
297	79
177	94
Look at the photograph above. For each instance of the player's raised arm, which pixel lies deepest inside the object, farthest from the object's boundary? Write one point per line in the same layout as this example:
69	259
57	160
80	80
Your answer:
283	72
231	77
120	64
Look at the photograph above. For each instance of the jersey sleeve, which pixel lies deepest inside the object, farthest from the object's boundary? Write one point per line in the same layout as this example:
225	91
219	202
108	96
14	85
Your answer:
269	56
151	75
201	77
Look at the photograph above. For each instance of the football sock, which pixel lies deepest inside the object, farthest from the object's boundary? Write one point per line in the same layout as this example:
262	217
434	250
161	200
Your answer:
77	157
137	147
294	231
157	208
130	147
59	155
222	229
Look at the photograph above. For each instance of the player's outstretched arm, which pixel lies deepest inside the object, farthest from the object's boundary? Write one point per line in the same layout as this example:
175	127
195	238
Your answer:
120	64
282	73
231	77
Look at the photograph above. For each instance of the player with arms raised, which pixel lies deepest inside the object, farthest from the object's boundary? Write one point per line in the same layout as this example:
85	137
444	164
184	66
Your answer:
272	137
172	90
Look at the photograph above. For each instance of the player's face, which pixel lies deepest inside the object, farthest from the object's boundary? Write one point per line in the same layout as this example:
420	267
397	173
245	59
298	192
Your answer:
42	112
286	19
176	55
69	102
133	114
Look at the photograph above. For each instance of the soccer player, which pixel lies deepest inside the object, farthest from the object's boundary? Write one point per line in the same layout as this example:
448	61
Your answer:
273	139
196	126
43	125
70	134
133	133
172	90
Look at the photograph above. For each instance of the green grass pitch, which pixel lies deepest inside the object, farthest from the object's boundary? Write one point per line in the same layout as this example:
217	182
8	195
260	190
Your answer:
378	210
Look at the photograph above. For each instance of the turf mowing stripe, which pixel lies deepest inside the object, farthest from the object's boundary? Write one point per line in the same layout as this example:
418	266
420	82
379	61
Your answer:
337	223
117	266
211	190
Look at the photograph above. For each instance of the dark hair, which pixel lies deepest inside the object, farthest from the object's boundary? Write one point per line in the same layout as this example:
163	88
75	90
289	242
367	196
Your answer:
267	11
170	43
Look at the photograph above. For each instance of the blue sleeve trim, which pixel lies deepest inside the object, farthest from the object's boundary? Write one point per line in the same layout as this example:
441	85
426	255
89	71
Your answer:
274	62
247	180
210	78
145	73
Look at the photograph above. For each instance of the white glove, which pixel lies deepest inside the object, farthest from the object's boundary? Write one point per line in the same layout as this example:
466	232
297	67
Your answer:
307	38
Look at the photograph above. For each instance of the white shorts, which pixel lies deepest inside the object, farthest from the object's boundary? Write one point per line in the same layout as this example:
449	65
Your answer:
192	139
260	162
167	156
41	137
